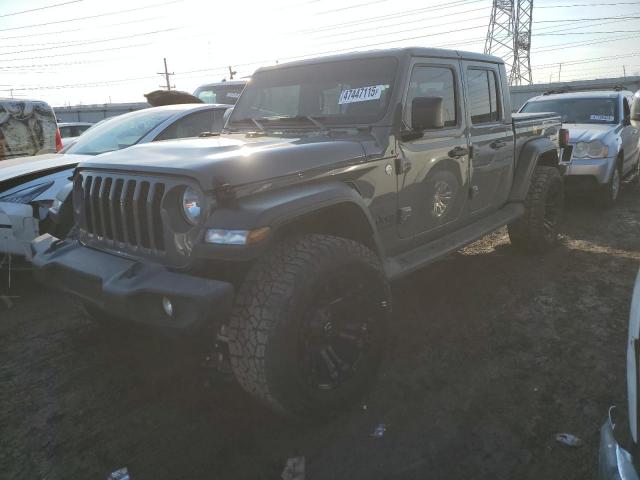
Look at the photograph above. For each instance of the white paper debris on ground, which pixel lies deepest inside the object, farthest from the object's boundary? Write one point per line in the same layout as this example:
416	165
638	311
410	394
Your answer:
379	431
569	440
294	469
120	474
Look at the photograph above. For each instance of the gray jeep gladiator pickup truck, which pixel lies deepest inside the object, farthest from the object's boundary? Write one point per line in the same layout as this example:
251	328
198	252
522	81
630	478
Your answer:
333	177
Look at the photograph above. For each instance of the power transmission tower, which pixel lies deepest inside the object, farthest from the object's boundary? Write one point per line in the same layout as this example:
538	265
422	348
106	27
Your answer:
166	75
509	37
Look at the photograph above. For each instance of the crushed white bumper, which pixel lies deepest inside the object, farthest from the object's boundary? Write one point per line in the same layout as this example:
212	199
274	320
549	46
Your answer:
17	228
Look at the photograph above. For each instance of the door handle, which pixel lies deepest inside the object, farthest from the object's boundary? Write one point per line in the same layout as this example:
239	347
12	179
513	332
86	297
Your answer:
498	144
635	130
458	152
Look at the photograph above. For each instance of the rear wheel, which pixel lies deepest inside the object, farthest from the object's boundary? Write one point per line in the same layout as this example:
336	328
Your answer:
308	328
537	229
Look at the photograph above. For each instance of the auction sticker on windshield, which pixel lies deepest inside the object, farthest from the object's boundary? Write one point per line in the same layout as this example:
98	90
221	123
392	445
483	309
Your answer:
602	118
362	94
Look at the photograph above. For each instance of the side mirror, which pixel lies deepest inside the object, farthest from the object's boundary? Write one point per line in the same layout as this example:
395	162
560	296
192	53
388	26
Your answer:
427	113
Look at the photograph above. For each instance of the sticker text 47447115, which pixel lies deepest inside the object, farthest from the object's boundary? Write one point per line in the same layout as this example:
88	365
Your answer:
362	94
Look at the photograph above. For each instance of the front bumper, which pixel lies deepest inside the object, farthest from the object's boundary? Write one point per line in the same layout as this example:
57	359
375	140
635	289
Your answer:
128	288
18	228
614	462
599	169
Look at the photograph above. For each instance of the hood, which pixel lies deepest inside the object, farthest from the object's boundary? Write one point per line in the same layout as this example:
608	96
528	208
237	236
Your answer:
633	355
240	158
33	166
586	132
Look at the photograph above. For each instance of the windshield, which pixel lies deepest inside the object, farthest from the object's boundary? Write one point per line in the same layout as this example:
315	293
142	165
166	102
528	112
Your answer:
333	93
119	132
578	110
223	94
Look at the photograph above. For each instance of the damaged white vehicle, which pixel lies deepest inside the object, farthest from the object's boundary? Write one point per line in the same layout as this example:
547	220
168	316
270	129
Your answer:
33	189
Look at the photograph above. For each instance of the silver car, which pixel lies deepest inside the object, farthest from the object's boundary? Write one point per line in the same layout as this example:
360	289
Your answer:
604	146
618	457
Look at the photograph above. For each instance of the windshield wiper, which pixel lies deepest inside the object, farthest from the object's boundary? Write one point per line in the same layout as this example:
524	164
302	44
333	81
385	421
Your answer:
250	119
309	118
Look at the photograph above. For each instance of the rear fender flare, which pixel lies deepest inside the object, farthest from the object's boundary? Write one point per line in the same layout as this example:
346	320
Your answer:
541	151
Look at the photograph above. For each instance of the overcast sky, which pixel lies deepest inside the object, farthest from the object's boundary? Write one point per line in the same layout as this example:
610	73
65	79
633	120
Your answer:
59	55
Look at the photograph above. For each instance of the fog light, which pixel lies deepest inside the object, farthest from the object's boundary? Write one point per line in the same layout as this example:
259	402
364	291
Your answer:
167	306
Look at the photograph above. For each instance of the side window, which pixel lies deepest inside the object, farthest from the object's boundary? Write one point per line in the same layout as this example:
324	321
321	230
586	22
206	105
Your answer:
65	132
484	105
433	82
193	125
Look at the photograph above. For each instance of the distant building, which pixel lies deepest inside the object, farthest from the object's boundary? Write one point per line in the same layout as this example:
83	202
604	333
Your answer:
522	93
95	113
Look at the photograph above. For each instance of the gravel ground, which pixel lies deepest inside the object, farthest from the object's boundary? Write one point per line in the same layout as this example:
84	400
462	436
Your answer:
492	354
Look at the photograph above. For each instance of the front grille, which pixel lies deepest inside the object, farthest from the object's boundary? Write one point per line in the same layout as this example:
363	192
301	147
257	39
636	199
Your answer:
120	211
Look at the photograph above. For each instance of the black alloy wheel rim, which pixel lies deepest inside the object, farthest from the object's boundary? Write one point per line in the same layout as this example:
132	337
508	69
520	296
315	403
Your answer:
340	329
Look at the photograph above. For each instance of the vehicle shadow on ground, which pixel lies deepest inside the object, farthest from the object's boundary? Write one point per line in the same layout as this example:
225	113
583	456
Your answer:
492	353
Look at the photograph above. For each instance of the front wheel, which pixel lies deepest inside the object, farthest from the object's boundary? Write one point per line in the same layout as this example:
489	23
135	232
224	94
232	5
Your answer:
537	229
609	193
308	329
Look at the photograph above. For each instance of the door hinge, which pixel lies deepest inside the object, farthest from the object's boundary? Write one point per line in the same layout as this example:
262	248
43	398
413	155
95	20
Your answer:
402	166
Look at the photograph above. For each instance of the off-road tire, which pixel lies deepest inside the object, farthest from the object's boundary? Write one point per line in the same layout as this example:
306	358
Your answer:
608	194
537	230
269	316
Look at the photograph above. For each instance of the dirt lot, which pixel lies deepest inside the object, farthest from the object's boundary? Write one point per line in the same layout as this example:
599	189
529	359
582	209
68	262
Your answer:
493	353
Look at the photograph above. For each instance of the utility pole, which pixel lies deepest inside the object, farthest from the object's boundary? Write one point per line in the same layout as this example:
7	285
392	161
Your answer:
560	73
11	91
624	72
232	73
166	75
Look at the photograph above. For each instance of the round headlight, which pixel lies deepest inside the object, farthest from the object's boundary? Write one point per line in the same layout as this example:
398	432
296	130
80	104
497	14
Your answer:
191	205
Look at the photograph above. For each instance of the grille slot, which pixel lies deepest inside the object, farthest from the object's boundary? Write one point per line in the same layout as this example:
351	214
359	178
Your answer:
123	212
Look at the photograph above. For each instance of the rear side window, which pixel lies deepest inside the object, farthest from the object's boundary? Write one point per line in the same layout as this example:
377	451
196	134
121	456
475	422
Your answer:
484	105
194	124
66	132
433	82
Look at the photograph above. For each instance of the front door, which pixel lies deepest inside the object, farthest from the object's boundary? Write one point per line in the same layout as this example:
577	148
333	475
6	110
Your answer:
491	138
629	136
433	178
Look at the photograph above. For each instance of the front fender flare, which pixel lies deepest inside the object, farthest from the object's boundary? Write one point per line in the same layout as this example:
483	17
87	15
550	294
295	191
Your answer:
278	208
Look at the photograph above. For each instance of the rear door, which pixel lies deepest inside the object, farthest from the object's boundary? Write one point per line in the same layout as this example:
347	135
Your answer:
433	176
491	137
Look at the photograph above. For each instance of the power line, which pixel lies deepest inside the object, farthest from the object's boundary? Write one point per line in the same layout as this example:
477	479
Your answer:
587	5
79	42
350	7
587	19
405	22
80	53
93	16
93	41
40	8
441	6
